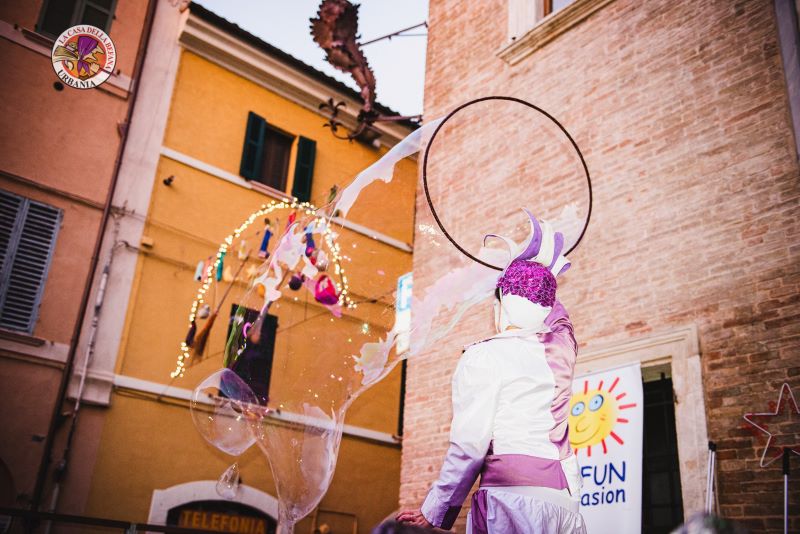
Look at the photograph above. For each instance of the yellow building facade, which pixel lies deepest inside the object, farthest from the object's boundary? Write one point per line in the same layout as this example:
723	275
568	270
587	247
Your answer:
205	91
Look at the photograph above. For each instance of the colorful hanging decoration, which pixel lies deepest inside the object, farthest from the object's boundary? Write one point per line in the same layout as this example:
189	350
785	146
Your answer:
296	282
325	291
243	251
207	265
340	290
310	245
200	340
262	251
190	335
321	260
219	266
198	272
227	274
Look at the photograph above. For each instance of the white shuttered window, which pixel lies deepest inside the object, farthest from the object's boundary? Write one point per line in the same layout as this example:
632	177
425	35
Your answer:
28	232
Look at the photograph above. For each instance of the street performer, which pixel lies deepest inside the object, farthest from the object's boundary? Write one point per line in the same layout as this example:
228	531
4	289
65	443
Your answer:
510	399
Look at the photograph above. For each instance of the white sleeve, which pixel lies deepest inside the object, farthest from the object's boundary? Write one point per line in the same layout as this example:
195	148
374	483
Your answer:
475	392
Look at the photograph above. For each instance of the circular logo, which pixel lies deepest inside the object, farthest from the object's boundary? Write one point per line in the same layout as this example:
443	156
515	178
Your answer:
84	56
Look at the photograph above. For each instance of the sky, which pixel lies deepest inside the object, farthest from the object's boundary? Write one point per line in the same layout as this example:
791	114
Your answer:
398	63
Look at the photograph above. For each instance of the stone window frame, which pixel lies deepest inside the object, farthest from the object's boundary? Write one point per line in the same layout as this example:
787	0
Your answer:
529	29
680	349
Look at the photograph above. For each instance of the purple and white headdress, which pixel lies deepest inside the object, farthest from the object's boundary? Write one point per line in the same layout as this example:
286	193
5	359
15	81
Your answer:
534	265
543	246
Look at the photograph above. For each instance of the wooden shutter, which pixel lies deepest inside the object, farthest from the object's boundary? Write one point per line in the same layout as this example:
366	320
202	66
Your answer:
58	15
304	169
98	13
28	232
253	149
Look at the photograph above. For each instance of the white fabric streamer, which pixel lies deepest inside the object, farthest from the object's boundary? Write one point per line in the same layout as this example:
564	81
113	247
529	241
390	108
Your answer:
383	169
456	292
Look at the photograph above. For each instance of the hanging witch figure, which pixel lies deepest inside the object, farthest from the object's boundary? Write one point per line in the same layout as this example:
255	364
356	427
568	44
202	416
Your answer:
510	407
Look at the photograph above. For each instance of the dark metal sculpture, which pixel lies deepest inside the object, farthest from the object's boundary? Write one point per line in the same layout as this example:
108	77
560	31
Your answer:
335	30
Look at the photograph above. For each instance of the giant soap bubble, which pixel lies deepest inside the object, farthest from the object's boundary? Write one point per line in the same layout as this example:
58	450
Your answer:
219	410
323	304
331	336
221	407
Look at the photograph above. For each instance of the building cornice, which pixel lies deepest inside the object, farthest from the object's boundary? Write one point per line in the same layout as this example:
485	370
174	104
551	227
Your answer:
548	29
231	53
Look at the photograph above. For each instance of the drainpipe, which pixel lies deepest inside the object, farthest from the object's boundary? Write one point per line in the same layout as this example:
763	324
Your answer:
55	417
61	468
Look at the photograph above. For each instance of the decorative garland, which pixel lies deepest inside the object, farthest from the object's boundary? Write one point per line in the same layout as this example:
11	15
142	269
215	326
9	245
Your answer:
342	287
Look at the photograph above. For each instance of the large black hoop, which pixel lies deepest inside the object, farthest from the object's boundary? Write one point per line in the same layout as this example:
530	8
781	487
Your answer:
524	103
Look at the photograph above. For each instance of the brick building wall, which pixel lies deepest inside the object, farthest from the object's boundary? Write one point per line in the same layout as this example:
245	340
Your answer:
682	113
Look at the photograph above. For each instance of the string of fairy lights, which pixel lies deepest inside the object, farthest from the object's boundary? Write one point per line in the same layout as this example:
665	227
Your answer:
342	288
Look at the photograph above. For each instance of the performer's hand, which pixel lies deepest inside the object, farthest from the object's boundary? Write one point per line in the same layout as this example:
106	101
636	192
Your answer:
413	517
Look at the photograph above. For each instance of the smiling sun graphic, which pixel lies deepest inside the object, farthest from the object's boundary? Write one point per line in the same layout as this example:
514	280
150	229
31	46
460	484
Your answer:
593	415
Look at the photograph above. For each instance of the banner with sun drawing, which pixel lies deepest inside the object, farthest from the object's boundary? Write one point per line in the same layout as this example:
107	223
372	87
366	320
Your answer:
605	431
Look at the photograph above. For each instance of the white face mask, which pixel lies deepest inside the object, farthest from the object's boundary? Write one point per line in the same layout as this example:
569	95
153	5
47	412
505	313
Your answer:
513	311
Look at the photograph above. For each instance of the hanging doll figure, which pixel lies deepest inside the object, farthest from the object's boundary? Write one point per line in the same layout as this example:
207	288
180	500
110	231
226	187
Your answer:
263	251
199	270
308	239
219	266
510	407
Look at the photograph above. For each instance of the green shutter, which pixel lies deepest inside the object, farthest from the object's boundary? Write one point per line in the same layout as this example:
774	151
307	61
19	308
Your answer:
304	169
253	149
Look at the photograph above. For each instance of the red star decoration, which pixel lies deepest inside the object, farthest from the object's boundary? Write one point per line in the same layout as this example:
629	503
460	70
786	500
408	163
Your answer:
785	426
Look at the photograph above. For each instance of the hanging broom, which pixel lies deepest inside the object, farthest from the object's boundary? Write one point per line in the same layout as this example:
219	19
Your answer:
201	338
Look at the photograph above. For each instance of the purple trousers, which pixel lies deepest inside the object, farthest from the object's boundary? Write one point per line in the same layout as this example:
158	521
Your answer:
497	511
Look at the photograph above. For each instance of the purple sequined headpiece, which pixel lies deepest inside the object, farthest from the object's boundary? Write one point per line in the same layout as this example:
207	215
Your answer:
529	280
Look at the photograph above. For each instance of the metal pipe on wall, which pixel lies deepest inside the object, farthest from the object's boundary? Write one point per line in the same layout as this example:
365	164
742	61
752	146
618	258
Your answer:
46	460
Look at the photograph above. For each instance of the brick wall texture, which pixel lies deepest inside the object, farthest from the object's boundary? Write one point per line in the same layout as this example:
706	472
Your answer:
681	110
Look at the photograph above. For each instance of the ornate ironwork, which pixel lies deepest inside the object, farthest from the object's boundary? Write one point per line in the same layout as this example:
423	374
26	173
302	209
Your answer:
335	30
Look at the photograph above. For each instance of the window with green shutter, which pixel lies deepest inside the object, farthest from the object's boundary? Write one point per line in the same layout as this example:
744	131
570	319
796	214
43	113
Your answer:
28	232
58	15
304	169
265	153
275	167
253	150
